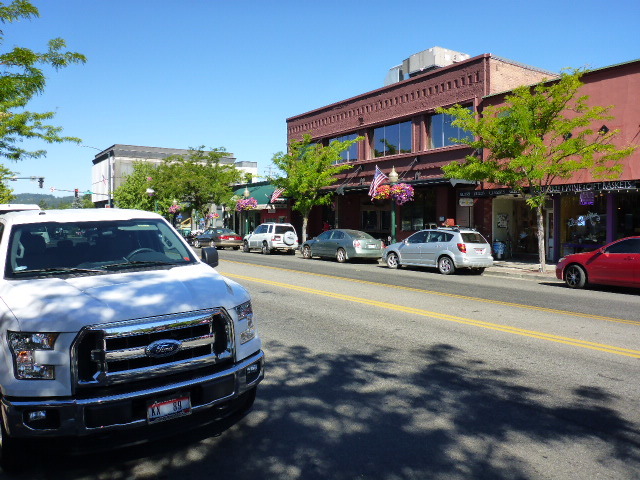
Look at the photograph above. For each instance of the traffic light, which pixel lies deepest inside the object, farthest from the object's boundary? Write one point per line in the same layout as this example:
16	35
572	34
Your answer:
40	182
75	192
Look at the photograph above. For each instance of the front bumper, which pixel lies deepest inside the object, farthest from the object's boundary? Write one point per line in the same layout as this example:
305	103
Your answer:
88	416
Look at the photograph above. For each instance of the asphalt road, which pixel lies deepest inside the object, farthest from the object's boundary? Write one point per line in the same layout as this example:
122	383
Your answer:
380	374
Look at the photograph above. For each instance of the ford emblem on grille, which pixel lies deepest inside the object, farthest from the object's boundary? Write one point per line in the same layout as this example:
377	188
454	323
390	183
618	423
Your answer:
162	348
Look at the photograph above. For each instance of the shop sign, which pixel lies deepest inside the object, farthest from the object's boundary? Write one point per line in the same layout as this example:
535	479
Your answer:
570	188
466	202
587	198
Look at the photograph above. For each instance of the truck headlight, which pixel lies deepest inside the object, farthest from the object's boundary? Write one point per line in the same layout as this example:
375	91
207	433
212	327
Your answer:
24	347
245	312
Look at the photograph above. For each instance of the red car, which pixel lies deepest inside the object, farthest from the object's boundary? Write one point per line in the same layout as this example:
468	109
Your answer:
617	263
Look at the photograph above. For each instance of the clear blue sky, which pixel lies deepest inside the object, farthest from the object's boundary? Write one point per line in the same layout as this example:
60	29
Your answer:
225	73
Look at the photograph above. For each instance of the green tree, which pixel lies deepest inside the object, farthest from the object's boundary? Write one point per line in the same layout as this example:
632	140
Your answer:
22	78
133	192
200	179
6	193
539	135
309	168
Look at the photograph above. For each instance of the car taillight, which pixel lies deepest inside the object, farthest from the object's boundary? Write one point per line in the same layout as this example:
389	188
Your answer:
276	237
462	247
356	244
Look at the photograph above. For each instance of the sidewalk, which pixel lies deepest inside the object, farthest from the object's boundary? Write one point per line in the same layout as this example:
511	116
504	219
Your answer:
522	269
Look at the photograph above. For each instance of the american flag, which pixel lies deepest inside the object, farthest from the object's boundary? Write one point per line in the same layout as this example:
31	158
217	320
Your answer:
276	194
378	178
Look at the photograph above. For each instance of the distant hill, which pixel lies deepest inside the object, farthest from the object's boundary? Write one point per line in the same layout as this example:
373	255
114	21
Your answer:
50	201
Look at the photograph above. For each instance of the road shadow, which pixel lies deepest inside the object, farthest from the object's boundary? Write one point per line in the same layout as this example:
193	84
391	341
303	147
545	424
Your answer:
344	416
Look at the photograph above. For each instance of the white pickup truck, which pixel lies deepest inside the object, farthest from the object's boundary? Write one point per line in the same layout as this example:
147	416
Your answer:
109	323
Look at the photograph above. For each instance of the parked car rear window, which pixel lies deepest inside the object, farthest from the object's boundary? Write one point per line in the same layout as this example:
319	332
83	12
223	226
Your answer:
359	234
472	238
284	229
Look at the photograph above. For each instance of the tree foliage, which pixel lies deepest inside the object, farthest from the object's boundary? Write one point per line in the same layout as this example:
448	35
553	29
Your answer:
539	135
309	168
198	180
21	78
6	193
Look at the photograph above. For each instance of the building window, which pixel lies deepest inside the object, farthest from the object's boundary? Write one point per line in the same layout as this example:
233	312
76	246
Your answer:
442	131
351	153
392	139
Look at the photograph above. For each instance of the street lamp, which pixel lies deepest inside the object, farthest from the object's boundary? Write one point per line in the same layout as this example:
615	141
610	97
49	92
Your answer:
246	194
151	192
393	179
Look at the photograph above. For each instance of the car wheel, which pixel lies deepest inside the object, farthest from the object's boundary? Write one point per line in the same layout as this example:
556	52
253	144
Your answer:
292	251
446	266
477	271
196	243
245	247
236	248
265	249
575	276
392	260
341	255
306	252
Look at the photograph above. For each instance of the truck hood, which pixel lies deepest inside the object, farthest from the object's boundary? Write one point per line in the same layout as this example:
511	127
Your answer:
68	304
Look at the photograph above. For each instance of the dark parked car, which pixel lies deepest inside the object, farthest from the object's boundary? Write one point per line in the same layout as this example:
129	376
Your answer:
343	245
218	237
617	263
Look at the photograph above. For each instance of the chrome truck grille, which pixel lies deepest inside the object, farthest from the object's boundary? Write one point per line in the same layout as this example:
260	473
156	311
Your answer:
168	347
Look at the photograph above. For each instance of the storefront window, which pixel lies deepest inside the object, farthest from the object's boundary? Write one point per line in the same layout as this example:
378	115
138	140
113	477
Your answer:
628	207
421	212
584	227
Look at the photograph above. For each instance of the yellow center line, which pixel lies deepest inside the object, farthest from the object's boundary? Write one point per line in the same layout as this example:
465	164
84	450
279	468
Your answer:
450	318
453	295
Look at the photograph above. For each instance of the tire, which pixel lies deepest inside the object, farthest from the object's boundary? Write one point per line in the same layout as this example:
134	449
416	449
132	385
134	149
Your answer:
341	255
445	265
477	271
575	276
265	249
245	247
306	252
289	238
393	261
291	252
196	243
236	248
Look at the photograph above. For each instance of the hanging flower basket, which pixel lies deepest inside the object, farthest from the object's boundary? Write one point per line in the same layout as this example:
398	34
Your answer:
213	215
399	193
246	204
173	209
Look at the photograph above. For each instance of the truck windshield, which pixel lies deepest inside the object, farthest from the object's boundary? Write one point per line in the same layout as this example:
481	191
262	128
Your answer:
49	248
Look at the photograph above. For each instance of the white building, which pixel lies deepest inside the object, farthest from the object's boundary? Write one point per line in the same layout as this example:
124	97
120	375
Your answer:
112	165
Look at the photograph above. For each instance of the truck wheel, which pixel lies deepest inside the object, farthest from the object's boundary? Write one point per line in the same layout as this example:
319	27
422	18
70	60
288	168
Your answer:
265	249
12	452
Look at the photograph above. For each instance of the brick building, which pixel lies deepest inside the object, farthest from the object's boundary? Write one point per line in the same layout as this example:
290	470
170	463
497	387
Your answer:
402	131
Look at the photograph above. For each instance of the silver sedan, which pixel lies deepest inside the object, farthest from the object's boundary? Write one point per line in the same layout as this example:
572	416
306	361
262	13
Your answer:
343	245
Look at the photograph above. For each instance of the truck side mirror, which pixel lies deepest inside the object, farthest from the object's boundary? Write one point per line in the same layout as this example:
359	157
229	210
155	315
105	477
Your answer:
209	256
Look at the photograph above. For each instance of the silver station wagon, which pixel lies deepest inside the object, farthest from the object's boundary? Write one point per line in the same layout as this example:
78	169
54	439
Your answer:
445	248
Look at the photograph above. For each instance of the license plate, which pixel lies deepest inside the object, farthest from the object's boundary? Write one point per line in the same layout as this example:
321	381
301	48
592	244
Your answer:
371	246
480	250
168	409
